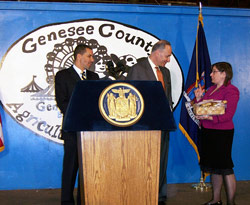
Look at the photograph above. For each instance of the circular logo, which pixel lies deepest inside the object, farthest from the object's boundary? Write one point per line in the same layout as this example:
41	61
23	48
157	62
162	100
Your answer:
121	104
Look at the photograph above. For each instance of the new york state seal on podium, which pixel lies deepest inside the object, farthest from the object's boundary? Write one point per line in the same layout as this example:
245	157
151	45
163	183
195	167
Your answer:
121	104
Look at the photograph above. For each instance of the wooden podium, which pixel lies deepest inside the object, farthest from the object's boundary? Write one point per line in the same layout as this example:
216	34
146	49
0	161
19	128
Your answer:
118	165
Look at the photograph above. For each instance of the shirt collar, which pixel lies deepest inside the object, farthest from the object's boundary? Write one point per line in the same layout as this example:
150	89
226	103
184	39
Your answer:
152	64
153	67
78	70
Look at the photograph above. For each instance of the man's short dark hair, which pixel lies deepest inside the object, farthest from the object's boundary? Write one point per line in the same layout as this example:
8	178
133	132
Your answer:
80	49
160	45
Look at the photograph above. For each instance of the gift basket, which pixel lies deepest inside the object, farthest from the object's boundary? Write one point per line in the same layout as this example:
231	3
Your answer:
210	107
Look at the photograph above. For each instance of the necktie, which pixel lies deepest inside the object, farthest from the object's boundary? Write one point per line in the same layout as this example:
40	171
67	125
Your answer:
160	76
84	76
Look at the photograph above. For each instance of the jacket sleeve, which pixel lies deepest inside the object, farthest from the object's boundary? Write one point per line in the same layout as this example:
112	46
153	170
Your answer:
61	92
169	89
232	98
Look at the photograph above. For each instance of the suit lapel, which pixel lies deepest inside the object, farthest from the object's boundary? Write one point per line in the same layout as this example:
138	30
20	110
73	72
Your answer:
89	74
165	76
149	72
167	81
74	74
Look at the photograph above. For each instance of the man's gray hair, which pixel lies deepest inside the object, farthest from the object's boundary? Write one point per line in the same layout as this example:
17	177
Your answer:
160	45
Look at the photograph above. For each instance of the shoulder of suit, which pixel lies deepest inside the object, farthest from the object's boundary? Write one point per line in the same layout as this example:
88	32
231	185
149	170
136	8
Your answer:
89	71
233	89
64	72
143	59
140	62
93	74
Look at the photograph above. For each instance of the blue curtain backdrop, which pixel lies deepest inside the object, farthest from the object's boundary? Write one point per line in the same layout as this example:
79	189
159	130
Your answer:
31	162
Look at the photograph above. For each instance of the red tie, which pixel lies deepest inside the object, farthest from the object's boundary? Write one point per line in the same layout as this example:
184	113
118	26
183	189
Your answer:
160	76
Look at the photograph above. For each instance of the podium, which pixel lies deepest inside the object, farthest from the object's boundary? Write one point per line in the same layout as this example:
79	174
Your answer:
118	165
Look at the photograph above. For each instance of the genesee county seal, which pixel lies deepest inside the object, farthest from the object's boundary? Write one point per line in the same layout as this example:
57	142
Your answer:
121	104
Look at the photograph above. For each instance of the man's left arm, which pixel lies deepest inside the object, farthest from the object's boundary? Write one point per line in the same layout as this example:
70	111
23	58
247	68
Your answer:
61	92
168	85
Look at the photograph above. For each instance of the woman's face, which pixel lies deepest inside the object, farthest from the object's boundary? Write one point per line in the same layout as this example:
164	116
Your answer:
217	77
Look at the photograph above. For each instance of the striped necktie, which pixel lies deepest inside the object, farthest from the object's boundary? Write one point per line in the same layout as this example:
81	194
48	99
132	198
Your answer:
160	77
84	76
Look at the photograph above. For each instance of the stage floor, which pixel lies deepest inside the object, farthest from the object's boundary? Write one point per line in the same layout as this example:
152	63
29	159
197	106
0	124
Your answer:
178	194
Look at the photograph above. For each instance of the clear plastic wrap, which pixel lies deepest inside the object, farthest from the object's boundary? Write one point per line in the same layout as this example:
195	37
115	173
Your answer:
210	107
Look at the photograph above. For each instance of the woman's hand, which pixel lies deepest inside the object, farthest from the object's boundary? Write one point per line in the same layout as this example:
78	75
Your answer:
199	92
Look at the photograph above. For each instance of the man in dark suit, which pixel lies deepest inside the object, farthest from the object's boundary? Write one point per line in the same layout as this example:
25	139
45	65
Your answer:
65	81
153	68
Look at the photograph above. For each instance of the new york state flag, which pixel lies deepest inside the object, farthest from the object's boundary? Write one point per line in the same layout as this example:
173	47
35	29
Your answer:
1	136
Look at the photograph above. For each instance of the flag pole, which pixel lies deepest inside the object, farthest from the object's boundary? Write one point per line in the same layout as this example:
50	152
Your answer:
201	185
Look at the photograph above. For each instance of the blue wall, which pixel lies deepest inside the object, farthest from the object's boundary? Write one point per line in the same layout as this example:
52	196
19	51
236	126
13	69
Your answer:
31	162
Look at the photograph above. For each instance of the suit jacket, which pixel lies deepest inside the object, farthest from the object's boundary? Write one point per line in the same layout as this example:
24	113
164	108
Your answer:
143	71
65	81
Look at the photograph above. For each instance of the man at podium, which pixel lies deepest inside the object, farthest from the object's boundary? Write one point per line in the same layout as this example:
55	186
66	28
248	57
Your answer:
65	81
153	68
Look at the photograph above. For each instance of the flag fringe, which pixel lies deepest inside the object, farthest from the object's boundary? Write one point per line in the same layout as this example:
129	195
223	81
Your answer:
190	140
1	148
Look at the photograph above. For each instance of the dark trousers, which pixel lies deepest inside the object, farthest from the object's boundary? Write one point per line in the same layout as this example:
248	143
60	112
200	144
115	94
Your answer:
70	169
163	166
